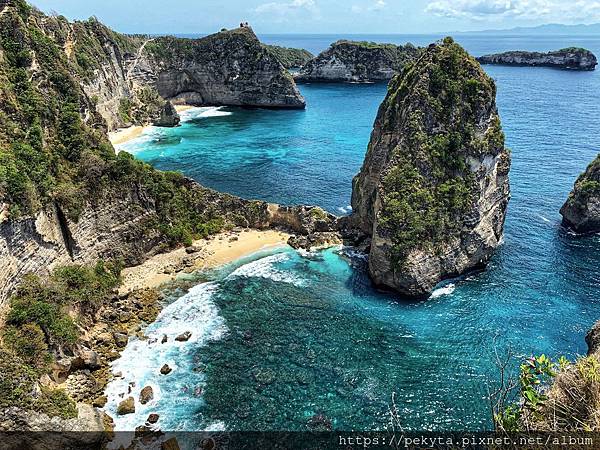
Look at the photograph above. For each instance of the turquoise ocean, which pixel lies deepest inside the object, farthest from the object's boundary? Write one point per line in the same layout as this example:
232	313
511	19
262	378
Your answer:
281	337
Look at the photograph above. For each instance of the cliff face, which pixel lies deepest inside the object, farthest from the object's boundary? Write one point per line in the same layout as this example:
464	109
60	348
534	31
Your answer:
433	190
349	61
567	58
581	211
132	79
227	68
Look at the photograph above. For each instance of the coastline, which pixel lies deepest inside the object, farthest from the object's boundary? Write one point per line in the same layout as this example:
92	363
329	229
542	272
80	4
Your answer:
218	250
124	135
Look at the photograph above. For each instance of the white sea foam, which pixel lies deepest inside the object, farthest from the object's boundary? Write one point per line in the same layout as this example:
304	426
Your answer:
265	268
203	112
179	393
345	209
445	290
544	218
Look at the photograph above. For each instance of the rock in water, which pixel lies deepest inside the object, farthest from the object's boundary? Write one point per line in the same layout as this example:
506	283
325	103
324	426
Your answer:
571	58
168	116
184	337
127	406
146	395
359	62
581	212
166	370
433	189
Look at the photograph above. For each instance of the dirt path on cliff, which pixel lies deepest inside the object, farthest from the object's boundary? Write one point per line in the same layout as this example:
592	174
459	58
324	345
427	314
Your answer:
137	58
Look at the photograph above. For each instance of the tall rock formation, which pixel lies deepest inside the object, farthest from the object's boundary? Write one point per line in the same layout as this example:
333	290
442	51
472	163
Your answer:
358	62
571	58
581	211
433	189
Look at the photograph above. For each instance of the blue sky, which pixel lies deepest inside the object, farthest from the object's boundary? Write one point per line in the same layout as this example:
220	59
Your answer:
325	16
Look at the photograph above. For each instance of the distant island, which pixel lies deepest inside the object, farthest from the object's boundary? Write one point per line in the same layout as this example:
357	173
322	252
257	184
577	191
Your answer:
552	29
571	58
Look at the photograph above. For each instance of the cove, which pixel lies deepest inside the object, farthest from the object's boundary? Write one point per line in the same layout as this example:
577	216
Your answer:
307	336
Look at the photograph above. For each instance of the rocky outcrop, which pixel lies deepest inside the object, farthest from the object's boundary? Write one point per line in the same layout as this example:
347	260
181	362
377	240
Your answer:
290	58
357	62
228	68
168	116
581	211
127	406
433	189
568	58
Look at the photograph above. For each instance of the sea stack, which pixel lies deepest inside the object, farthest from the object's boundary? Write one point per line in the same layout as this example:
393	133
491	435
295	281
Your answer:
581	212
571	58
357	62
433	190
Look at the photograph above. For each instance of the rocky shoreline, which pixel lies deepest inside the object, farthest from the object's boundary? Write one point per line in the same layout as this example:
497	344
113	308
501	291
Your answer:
568	58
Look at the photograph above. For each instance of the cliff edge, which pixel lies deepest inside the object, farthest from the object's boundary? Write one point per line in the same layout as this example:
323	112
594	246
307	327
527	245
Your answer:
433	190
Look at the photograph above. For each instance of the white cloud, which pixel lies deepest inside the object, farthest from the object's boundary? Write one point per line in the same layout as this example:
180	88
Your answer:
556	10
285	7
378	5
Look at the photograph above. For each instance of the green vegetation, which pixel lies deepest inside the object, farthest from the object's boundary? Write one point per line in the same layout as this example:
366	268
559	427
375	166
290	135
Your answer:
554	396
40	322
430	189
125	110
587	185
49	154
290	57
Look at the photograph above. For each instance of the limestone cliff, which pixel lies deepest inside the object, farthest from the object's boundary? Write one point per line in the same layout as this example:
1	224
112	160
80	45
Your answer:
433	189
581	211
350	61
571	58
131	79
227	68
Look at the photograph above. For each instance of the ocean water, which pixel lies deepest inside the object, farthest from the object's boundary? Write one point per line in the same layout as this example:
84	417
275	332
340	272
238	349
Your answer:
281	337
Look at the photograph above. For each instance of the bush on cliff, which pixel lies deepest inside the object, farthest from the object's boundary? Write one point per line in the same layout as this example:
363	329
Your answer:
42	320
558	395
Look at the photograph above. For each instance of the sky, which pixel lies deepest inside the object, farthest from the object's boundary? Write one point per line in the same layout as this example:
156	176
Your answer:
325	16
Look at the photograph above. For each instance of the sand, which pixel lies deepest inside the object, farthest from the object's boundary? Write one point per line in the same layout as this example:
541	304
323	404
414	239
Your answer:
183	108
219	250
125	134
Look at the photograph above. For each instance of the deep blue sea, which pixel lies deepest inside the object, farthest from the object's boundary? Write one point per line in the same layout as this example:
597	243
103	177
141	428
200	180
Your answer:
281	337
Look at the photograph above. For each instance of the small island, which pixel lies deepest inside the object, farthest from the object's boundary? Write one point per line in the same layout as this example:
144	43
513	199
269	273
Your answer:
571	58
357	62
